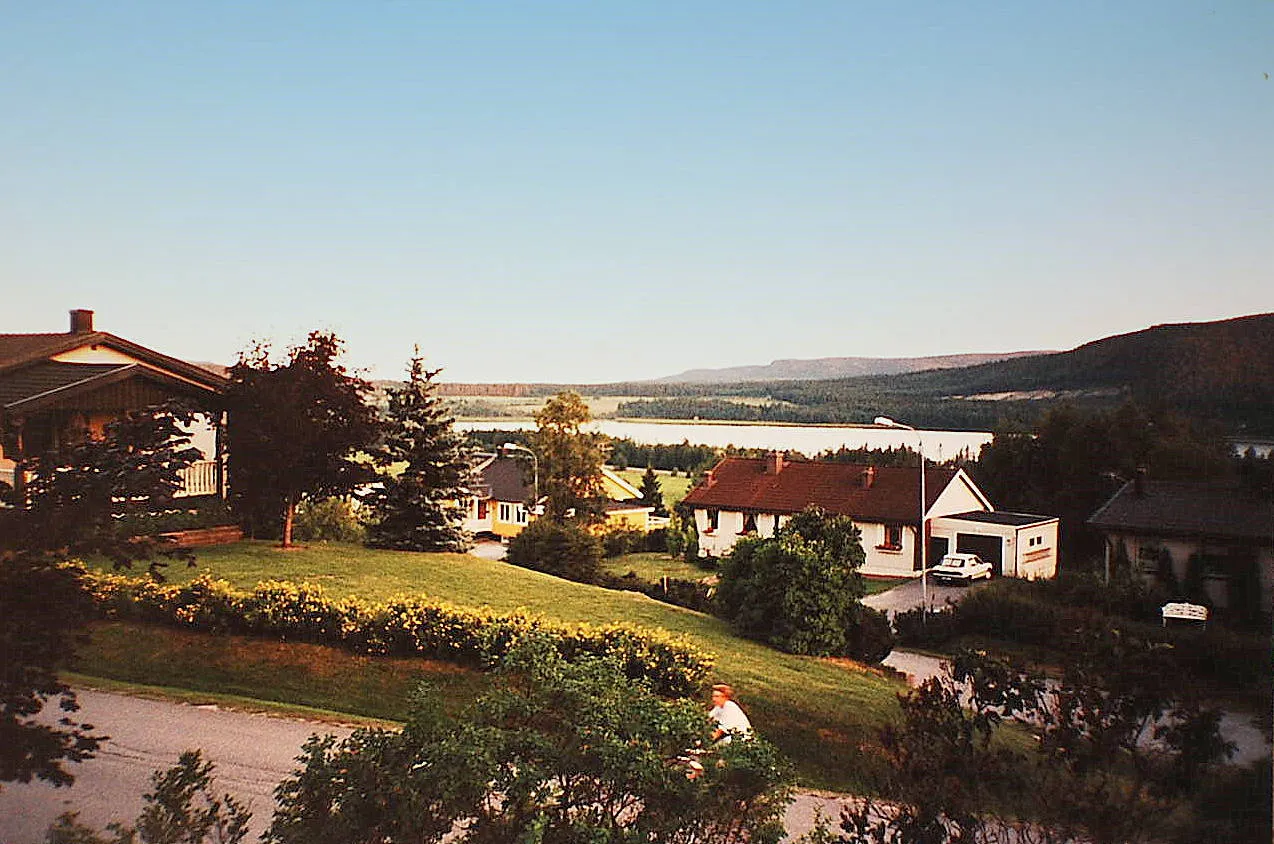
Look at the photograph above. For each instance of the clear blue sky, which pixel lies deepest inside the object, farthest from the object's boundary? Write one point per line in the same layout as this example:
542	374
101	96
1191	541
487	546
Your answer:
595	191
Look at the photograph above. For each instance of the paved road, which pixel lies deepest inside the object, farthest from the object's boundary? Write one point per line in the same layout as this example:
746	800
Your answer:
252	753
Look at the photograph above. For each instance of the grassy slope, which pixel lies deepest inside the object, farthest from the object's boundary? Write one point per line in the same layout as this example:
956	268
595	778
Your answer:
673	488
820	713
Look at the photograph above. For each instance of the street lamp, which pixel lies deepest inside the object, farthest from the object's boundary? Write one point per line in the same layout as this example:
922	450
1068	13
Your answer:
886	422
535	464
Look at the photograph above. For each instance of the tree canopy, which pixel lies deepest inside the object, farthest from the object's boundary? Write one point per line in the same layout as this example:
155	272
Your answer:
296	427
74	505
570	458
425	475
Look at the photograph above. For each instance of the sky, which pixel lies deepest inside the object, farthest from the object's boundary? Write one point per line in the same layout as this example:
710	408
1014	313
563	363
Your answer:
592	191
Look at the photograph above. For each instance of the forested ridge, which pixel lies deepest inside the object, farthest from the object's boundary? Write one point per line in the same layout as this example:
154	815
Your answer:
1222	371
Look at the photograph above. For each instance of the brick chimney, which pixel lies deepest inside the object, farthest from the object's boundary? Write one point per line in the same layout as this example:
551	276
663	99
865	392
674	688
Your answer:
81	321
1139	482
776	462
869	477
710	478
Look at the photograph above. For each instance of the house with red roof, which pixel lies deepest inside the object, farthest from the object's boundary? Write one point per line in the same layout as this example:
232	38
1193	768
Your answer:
743	496
57	388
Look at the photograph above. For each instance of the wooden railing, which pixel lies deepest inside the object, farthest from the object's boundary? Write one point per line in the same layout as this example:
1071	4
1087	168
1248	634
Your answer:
199	479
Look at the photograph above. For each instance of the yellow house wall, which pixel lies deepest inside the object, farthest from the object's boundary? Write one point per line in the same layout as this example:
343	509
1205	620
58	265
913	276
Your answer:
626	520
503	527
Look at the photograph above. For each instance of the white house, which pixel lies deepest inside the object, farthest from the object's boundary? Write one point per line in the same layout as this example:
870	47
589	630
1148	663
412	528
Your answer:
755	496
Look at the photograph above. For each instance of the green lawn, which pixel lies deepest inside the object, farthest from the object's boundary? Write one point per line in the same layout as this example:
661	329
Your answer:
651	566
821	713
674	488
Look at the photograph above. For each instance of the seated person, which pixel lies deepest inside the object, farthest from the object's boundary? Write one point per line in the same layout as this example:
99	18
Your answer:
729	718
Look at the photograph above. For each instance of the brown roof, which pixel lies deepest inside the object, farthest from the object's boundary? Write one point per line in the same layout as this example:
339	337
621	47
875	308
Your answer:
39	379
506	478
18	351
1176	508
751	485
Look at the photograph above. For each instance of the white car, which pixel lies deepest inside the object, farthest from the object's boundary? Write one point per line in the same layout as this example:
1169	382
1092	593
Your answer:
961	568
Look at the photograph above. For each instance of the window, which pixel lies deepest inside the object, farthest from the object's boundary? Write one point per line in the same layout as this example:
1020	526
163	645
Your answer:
749	523
714	516
1148	558
893	538
506	512
483	508
519	514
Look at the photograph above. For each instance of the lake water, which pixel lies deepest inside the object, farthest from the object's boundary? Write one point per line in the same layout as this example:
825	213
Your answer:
807	439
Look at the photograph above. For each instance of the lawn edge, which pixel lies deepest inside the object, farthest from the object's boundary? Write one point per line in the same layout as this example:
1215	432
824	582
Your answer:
235	703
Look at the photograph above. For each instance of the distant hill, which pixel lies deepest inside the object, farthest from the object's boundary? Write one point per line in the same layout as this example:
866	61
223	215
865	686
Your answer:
1229	360
823	369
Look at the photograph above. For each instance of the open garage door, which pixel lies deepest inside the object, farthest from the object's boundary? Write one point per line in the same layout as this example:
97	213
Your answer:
989	548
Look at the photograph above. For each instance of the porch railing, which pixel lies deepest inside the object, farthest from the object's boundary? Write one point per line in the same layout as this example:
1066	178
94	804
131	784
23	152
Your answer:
199	479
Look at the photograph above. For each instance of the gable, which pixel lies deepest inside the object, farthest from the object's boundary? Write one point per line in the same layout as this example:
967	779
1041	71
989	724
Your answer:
616	488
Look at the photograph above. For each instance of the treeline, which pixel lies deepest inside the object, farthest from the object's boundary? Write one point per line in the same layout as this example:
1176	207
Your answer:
826	403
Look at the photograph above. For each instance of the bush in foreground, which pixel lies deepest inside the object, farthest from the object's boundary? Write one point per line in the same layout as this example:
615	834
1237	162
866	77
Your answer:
559	753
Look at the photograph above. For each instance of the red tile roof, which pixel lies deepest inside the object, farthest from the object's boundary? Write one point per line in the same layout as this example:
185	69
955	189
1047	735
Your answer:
751	485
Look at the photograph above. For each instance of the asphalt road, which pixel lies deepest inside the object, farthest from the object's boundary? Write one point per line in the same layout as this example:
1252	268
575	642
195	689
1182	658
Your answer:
252	753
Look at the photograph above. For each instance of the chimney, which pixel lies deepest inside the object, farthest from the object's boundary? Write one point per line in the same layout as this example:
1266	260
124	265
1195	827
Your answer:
1139	482
869	477
81	321
710	477
776	462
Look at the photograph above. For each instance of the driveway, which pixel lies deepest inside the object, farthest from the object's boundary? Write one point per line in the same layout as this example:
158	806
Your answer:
910	596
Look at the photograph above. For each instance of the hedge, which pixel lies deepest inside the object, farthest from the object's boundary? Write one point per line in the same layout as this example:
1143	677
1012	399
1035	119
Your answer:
402	626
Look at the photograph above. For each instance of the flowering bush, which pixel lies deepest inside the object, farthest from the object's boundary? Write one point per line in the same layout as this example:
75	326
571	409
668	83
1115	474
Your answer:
407	625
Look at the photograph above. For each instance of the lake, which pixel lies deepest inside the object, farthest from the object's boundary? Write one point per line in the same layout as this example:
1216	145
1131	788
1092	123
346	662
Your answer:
807	439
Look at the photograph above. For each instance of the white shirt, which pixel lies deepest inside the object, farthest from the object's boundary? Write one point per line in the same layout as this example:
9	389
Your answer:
730	719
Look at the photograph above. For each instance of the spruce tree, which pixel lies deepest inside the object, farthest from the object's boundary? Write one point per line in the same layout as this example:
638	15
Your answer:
651	494
419	508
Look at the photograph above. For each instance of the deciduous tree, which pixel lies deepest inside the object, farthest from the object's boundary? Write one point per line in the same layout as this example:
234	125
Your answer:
571	460
424	471
296	427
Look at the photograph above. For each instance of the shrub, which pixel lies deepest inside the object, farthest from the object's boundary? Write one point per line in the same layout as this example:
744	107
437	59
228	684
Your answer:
556	752
403	626
564	550
328	520
799	590
690	594
200	513
620	541
869	638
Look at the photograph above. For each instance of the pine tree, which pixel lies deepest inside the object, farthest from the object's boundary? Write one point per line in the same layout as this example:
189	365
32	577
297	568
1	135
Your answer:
419	508
651	494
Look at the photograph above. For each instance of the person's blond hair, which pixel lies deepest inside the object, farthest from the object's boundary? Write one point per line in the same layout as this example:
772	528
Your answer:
725	689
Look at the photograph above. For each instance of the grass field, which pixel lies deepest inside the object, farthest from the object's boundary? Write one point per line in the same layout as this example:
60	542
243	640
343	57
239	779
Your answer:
673	487
821	713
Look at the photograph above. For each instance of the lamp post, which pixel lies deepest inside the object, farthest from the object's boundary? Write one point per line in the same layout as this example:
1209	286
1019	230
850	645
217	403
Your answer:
886	422
535	468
